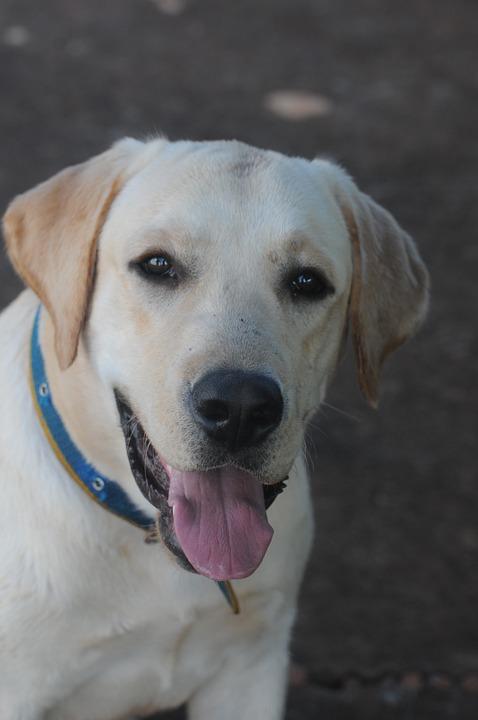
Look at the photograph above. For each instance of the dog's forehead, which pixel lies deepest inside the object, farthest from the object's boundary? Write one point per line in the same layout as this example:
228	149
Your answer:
215	189
201	176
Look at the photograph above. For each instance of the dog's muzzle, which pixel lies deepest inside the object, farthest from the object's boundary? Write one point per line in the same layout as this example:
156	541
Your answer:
214	521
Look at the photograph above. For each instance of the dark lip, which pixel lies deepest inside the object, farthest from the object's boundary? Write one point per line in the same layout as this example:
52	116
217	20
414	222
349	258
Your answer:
153	481
150	476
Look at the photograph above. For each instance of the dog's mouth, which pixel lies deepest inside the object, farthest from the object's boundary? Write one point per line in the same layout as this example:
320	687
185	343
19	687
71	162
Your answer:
213	521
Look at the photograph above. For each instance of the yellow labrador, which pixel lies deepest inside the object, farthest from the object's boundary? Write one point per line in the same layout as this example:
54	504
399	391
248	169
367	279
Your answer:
195	298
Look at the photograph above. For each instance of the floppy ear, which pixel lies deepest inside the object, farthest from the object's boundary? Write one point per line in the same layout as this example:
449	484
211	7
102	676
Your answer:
51	235
389	294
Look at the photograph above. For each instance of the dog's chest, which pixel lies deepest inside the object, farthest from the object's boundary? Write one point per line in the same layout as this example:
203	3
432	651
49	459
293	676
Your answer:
156	636
148	654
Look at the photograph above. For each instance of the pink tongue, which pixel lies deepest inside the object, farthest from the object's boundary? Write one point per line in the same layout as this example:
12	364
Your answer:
220	521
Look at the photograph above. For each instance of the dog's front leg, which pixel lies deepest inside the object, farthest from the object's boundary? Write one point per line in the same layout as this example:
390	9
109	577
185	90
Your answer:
251	685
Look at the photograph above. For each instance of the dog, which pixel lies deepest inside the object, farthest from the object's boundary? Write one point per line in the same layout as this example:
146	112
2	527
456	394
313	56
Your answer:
187	304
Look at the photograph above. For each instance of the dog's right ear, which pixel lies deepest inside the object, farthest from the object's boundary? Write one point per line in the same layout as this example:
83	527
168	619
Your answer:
52	231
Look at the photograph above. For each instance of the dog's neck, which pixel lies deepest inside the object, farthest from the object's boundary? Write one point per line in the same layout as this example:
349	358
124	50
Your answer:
87	409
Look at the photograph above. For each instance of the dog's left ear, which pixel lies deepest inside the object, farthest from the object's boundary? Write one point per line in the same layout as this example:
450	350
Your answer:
51	235
390	284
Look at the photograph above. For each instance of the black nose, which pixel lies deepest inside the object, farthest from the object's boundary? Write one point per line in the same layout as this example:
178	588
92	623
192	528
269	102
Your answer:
236	408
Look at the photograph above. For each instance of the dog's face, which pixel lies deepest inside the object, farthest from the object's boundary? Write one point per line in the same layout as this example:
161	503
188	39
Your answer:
222	285
224	281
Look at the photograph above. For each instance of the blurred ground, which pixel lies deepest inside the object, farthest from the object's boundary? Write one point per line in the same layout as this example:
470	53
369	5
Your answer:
388	624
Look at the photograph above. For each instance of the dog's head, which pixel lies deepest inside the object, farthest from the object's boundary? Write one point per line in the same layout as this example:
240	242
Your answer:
212	285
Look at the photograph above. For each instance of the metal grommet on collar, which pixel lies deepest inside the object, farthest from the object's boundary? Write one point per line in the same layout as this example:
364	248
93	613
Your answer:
43	389
98	484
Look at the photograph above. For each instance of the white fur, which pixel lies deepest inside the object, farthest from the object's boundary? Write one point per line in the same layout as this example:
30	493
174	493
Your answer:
94	623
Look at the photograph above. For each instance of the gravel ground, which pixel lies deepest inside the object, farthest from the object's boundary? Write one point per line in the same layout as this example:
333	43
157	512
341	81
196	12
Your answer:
388	624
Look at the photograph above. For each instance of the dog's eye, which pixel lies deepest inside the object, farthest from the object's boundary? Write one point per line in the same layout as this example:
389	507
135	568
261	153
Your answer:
309	284
158	267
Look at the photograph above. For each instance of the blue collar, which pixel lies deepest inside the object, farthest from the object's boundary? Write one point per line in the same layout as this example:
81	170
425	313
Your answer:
104	491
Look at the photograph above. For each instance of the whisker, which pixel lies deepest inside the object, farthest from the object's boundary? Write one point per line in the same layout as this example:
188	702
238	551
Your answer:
341	412
309	455
313	425
132	430
146	445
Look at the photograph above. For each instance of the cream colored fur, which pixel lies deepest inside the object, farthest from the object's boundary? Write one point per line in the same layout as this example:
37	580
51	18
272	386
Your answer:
94	623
